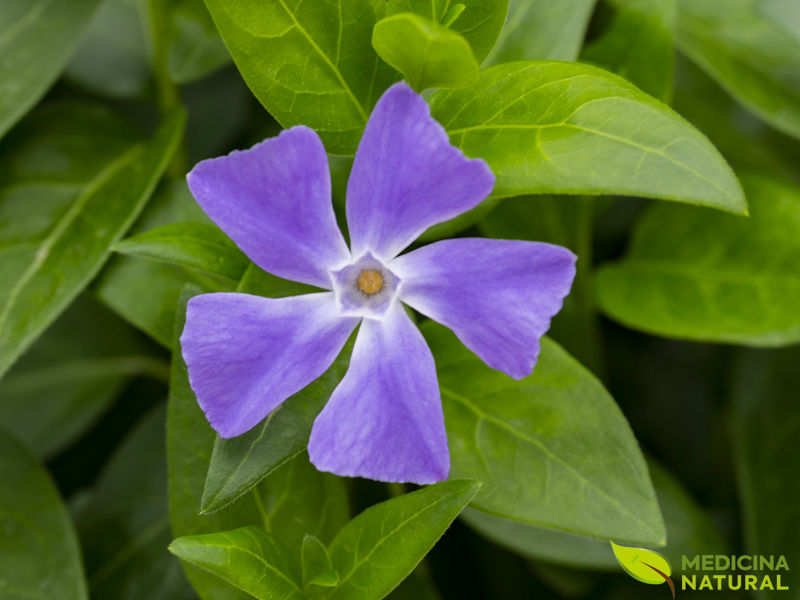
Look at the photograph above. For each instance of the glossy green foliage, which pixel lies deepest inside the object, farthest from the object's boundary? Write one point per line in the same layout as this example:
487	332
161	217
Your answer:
124	526
68	378
375	551
739	286
427	54
118	284
765	424
52	252
478	21
752	48
638	44
690	531
542	30
550	127
308	63
317	566
38	536
576	467
37	38
195	246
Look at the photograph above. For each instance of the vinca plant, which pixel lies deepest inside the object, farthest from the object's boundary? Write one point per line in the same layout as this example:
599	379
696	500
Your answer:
407	299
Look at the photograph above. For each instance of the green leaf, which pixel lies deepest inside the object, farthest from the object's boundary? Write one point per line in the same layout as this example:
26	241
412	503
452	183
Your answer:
739	285
640	563
41	555
239	463
37	38
752	48
189	443
747	142
197	246
479	22
52	252
247	558
690	531
308	63
70	376
552	450
124	527
550	127
317	566
426	53
195	48
542	30
120	283
375	551
417	586
638	45
112	57
765	428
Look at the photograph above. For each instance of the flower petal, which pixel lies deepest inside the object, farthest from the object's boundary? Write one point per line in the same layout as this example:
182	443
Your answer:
497	296
274	201
247	354
384	421
407	176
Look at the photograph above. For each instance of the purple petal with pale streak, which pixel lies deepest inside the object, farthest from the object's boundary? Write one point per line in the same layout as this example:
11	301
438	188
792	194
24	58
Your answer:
497	296
407	176
274	201
247	354
384	421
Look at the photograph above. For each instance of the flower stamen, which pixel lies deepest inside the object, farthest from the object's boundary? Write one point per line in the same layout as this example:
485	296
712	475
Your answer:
370	281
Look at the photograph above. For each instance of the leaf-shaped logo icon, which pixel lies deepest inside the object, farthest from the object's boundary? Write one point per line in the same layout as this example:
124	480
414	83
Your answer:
644	565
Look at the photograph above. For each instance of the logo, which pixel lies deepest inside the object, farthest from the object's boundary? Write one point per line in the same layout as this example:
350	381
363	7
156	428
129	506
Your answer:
644	565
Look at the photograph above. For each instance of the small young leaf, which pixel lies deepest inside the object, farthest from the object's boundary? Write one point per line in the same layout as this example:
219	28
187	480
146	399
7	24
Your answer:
739	286
37	38
642	564
375	551
317	566
247	558
426	53
53	253
542	30
41	555
569	128
552	449
196	246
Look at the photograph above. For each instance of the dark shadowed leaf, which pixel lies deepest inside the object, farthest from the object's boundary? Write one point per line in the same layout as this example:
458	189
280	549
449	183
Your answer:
752	48
740	285
542	30
83	204
124	527
37	38
195	48
551	127
552	449
41	555
317	566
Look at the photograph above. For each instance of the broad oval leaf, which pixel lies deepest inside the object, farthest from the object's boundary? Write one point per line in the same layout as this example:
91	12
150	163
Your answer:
568	128
641	563
479	22
309	63
690	530
37	38
576	466
375	551
638	45
51	253
740	285
70	376
41	555
196	246
247	558
752	48
542	30
124	526
427	54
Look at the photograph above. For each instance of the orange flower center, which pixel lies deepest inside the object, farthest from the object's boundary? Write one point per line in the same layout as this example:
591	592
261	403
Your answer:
370	281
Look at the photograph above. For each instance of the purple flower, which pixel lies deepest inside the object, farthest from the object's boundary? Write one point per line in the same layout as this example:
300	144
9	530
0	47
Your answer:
247	354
